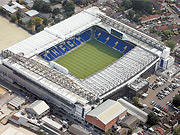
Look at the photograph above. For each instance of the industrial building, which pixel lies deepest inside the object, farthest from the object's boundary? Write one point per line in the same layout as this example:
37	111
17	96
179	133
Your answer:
106	114
27	63
133	110
38	108
138	87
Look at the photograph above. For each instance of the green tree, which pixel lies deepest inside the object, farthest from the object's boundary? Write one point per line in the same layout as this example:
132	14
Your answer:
171	44
167	33
37	21
152	119
152	30
30	23
57	20
13	19
18	15
135	100
127	4
131	14
130	131
45	22
176	131
69	6
56	11
176	100
46	8
38	5
20	22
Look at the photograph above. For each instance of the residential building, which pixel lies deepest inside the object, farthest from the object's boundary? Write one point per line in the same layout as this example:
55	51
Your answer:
150	18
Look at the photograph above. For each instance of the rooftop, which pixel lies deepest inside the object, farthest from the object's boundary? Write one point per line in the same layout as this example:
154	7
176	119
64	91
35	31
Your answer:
77	130
138	84
39	106
32	13
9	9
107	111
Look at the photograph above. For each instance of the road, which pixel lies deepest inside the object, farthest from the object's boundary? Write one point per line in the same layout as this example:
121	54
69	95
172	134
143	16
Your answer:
175	16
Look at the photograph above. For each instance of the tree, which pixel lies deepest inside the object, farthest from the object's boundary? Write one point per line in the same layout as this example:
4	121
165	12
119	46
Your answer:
18	15
152	30
56	11
57	20
176	100
45	22
167	33
46	8
38	5
20	22
13	19
176	131
135	100
131	14
171	44
152	119
30	23
37	21
69	6
130	131
127	4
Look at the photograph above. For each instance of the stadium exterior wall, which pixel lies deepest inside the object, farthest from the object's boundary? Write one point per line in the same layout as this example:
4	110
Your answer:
41	92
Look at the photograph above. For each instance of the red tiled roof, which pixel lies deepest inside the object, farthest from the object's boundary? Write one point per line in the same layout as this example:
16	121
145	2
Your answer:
150	17
160	130
163	27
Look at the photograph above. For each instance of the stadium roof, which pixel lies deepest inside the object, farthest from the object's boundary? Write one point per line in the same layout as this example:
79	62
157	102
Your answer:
74	24
35	43
133	110
107	111
57	33
39	106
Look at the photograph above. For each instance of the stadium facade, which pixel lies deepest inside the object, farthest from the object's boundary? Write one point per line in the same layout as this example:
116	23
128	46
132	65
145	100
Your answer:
30	63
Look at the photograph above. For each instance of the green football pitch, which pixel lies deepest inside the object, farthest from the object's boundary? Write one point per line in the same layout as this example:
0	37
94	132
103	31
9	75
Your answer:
89	58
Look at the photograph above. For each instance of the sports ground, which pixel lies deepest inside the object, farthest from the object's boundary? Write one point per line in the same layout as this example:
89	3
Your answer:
89	58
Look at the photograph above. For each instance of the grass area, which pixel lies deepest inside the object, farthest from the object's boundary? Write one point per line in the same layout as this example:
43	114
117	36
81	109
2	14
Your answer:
89	58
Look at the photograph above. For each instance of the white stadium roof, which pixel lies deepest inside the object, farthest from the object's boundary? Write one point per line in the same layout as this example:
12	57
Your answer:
30	45
55	34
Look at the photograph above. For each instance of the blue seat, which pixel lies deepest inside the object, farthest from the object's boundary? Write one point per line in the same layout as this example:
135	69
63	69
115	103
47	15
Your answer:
70	44
62	48
55	52
112	40
47	56
78	40
85	36
102	37
88	32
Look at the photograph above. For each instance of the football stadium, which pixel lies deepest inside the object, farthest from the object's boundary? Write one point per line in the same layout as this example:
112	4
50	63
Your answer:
82	61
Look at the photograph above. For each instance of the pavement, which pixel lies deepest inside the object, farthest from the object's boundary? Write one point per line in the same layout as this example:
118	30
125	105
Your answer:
152	97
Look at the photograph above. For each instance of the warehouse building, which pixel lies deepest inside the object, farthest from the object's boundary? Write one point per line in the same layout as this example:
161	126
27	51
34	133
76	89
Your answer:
38	108
106	114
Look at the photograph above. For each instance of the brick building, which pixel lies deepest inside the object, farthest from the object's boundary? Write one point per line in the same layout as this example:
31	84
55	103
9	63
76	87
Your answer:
106	115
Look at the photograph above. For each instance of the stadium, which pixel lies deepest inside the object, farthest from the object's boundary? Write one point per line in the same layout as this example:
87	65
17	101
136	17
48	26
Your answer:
82	61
